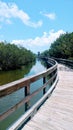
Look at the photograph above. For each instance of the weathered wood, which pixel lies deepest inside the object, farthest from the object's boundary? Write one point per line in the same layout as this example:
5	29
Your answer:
25	83
44	81
27	93
26	100
65	61
57	112
16	85
34	109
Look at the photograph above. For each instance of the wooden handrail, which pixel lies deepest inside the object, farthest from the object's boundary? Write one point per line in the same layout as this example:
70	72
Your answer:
16	85
25	83
65	61
30	113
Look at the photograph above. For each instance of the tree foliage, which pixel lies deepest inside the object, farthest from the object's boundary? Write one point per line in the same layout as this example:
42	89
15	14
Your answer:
13	57
62	47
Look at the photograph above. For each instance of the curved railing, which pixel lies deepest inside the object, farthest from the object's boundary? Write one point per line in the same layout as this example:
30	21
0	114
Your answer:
65	61
25	83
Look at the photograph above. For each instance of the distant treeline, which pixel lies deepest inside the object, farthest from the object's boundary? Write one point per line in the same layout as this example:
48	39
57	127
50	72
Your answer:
13	57
62	47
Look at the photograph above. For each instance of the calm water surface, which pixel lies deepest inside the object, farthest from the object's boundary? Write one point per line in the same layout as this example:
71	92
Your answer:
9	76
14	98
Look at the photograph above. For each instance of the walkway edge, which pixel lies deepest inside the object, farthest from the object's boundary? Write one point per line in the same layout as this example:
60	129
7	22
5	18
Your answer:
30	113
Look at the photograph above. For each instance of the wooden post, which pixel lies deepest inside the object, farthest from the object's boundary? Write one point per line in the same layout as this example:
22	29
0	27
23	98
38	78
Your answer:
27	92
52	76
44	81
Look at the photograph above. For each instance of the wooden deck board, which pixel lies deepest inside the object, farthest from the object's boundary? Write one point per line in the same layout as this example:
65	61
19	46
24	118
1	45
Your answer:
57	112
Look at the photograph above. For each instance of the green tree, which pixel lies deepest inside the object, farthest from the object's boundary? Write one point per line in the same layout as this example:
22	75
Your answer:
62	47
13	57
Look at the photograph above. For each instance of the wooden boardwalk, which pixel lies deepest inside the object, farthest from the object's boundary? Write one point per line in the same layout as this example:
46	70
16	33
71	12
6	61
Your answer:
57	112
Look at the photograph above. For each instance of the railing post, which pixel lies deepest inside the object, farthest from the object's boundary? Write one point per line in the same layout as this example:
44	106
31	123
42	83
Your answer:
27	92
52	79
44	81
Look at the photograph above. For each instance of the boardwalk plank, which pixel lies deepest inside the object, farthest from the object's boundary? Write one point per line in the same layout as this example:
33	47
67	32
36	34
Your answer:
57	112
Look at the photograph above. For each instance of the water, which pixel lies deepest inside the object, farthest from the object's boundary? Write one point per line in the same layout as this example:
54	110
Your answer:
14	98
9	76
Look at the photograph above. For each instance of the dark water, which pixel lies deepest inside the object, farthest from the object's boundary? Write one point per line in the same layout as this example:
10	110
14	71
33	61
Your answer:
14	98
9	76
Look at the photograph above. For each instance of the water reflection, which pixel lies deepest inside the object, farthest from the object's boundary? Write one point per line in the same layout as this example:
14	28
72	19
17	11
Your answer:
37	68
14	98
9	76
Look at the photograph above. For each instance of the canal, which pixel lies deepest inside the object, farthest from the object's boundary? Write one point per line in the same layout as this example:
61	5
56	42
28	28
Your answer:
12	99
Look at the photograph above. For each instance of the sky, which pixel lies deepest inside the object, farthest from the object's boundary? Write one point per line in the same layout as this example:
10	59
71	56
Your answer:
35	24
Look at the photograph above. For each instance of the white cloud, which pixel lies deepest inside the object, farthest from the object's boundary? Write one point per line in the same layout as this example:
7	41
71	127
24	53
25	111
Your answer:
40	43
51	16
8	11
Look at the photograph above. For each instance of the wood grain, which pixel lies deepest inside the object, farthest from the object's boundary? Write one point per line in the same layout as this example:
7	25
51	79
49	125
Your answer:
57	111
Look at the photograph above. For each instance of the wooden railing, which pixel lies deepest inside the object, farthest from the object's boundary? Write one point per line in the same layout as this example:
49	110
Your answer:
65	61
25	83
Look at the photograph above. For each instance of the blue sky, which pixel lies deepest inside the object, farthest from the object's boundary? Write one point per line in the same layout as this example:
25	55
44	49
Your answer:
35	24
